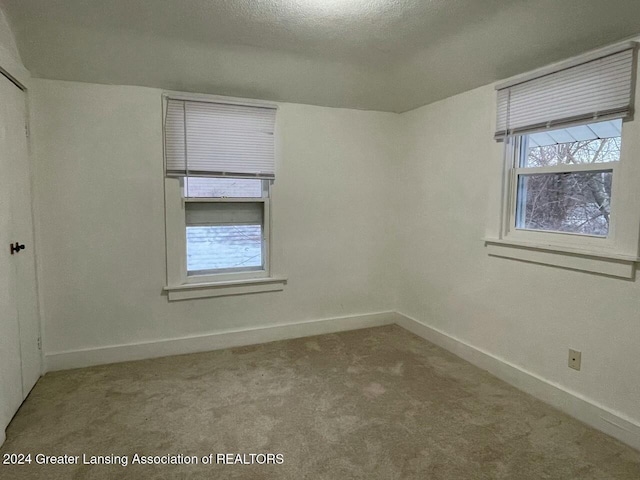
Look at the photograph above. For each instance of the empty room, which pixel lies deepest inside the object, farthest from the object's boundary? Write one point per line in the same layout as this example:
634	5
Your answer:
319	239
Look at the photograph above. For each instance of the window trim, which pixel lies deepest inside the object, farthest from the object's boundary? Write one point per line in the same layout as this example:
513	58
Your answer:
179	285
593	243
588	253
603	263
223	289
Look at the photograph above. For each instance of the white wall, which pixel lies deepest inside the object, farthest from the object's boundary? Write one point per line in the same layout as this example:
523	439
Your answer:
10	61
7	40
99	190
526	314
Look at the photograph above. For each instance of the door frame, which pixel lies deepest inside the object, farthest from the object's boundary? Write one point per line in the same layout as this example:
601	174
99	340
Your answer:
16	73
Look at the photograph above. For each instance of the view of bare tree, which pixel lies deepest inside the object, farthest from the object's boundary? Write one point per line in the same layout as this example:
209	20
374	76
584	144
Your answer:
213	247
576	202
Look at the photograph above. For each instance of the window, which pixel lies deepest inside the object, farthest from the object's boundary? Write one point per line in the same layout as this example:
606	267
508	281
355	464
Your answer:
562	128
226	230
219	168
564	177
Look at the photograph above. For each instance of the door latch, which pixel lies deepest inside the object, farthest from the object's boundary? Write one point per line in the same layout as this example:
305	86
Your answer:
16	247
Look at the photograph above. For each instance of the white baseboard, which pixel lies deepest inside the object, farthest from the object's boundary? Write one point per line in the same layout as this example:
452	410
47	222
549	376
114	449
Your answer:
215	341
586	410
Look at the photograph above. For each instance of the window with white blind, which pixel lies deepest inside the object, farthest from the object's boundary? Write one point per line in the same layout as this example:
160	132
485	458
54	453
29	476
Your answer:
563	132
219	167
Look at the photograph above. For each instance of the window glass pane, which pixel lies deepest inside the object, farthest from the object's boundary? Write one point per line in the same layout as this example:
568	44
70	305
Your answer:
565	202
205	214
592	143
224	247
222	187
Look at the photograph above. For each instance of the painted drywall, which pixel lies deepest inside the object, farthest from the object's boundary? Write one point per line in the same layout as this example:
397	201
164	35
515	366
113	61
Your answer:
10	61
527	314
7	40
99	188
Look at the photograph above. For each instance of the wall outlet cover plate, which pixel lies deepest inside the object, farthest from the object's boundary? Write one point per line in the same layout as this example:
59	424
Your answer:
575	359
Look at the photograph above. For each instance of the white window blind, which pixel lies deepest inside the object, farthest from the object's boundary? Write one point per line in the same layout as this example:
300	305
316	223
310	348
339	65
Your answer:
225	213
219	140
600	87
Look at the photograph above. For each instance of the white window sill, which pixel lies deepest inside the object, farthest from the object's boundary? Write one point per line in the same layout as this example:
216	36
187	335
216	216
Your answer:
600	262
220	289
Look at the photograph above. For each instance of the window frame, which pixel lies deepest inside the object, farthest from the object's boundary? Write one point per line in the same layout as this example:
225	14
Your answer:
266	238
513	147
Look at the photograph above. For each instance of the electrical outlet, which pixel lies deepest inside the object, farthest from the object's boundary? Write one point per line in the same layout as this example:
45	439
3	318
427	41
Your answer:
575	358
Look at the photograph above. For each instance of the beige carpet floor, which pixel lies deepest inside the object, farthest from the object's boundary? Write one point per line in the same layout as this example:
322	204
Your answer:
378	403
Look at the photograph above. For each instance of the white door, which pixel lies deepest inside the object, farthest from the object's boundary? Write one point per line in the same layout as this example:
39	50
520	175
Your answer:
10	362
10	369
20	360
22	230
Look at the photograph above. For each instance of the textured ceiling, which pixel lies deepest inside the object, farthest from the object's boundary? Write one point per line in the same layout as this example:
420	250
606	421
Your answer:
391	55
